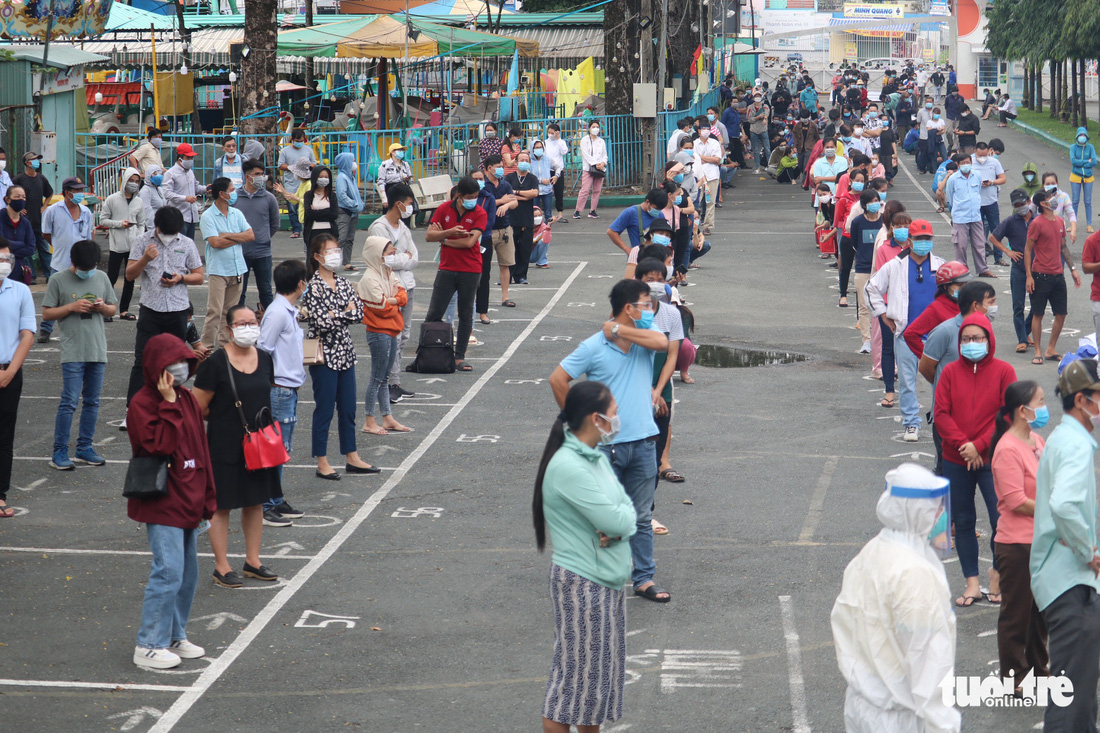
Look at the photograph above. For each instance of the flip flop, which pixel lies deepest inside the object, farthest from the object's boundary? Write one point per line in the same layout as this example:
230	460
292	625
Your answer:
1053	357
6	512
673	477
463	367
652	592
509	304
989	597
658	528
888	402
379	431
1038	361
128	317
686	379
967	601
1021	348
401	429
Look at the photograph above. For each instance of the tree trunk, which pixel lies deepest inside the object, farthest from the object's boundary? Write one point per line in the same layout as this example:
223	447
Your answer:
1063	108
1084	99
1074	98
1026	100
620	43
310	67
258	72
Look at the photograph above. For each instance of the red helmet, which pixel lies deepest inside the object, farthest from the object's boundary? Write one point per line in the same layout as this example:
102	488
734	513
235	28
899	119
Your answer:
953	272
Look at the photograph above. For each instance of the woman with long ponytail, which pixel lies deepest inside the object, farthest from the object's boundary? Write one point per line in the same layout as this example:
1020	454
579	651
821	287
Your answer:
590	519
1016	448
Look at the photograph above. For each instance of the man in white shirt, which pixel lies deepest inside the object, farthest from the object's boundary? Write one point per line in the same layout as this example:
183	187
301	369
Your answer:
708	156
683	128
1007	110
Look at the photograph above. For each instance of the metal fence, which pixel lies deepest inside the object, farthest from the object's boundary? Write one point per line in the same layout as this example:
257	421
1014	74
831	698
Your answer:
447	149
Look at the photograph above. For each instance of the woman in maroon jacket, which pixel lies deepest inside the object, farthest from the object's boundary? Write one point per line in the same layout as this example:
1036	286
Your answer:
165	420
969	395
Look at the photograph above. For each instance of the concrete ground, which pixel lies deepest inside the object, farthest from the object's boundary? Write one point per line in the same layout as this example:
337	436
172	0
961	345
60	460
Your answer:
415	600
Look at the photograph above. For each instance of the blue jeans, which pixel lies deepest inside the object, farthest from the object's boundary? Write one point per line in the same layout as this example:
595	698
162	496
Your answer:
761	141
171	586
292	214
545	201
907	382
262	267
692	254
47	326
407	314
382	346
635	465
333	391
1075	193
284	409
188	229
539	254
1018	281
991	218
45	256
78	377
963	514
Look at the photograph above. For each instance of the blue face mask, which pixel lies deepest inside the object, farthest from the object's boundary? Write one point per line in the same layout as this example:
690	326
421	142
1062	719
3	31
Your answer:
940	527
480	184
965	168
524	166
498	172
901	234
874	206
1042	417
954	294
156	180
846	138
857	186
679	178
1082	139
881	195
298	144
928	105
539	152
36	164
974	351
662	239
84	274
680	200
922	247
78	197
935	117
469	204
399	154
232	198
645	321
710	118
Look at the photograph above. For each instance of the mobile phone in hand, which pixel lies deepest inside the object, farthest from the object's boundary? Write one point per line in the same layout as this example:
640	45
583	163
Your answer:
166	275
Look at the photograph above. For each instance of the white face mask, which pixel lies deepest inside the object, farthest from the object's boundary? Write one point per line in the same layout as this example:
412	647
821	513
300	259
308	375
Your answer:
389	260
538	220
991	312
669	272
3	165
131	187
186	164
657	290
168	239
333	260
5	269
616	424
1094	418
180	372
246	336
322	182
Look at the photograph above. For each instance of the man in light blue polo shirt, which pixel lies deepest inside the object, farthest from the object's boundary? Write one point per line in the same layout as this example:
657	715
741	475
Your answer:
224	229
16	337
1064	559
63	224
963	193
621	356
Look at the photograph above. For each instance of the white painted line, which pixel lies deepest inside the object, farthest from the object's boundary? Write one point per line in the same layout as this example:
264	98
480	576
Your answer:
93	685
132	553
205	681
922	189
817	503
794	668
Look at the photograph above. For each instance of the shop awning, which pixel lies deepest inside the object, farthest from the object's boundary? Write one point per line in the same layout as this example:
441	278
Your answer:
320	40
386	37
876	30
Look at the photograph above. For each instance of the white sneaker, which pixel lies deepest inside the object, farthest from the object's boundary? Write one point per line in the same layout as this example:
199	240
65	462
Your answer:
912	433
186	649
866	348
155	658
122	427
757	171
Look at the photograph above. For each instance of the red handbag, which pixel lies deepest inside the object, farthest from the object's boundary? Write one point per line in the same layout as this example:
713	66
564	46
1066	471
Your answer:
263	447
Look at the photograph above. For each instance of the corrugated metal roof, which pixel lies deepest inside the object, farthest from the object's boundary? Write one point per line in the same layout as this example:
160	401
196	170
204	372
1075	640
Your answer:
209	47
60	57
558	42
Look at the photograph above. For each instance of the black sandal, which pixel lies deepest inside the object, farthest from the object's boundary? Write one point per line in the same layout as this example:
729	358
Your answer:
509	304
463	367
128	316
652	592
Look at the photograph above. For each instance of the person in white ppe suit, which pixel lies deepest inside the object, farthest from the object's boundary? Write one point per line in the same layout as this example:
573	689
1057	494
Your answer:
893	623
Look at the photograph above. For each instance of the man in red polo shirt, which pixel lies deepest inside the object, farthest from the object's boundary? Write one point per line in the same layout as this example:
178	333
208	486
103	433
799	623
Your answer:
458	227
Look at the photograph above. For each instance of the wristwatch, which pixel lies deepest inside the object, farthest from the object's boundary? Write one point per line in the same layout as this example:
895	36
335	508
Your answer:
615	332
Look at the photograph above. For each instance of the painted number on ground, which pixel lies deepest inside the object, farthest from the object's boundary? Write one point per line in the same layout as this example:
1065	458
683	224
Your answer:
420	511
215	620
524	381
555	338
323	620
684	668
582	305
464	438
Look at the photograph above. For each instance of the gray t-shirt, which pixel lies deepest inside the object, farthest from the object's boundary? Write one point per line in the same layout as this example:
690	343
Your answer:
82	334
942	345
289	156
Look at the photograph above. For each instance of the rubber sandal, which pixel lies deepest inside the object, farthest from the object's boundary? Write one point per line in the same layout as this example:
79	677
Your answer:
842	305
128	317
509	304
463	367
295	235
1053	357
888	403
686	379
989	597
1021	348
967	601
658	528
672	476
6	512
1038	361
378	431
486	322
652	592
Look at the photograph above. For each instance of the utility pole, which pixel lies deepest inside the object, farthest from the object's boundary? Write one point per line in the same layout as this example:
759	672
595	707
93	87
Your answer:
648	125
310	69
662	56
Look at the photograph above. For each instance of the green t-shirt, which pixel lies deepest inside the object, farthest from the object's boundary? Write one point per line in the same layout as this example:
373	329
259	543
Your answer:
82	334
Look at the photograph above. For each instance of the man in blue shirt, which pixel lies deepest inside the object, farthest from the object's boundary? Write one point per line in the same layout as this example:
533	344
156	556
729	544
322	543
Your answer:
281	336
1064	559
224	228
503	242
963	194
16	339
621	356
1014	229
63	224
635	220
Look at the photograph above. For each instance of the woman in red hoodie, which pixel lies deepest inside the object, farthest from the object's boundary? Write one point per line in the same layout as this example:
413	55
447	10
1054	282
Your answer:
165	420
970	393
857	179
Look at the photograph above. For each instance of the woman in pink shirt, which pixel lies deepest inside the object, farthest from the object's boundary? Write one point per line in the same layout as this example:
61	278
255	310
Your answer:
1016	448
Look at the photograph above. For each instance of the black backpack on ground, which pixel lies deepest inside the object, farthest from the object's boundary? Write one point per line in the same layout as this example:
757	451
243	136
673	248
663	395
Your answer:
435	353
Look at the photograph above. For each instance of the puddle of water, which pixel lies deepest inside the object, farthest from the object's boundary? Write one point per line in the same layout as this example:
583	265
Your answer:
726	357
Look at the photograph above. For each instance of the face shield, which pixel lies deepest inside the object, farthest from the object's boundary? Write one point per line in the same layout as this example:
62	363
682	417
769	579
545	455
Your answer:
918	502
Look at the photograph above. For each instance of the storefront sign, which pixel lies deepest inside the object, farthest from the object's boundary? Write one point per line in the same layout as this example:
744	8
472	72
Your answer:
880	11
64	80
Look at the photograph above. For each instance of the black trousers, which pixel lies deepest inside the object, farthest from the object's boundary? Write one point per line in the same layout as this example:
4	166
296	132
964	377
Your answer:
9	407
847	257
486	276
116	263
447	283
522	237
152	323
1073	622
681	240
737	151
559	195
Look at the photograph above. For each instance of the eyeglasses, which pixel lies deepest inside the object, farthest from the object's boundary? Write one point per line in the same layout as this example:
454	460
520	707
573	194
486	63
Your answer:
973	339
253	322
644	305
